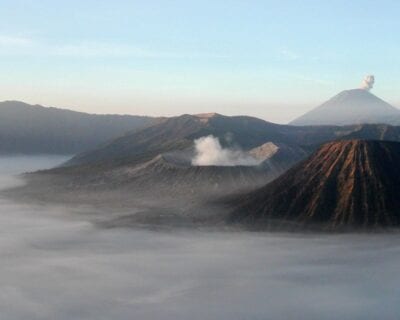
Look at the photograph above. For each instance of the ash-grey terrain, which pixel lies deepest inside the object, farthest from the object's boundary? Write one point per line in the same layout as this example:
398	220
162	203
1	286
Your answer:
58	263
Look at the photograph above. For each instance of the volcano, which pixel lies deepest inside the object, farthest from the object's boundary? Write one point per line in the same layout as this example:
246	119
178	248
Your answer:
352	183
355	106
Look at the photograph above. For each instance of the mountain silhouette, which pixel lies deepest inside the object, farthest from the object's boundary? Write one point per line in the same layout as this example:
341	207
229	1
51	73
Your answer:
34	129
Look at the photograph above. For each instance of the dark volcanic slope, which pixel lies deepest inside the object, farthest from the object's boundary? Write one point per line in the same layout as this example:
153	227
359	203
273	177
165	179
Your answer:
164	180
349	183
31	129
166	176
374	132
351	107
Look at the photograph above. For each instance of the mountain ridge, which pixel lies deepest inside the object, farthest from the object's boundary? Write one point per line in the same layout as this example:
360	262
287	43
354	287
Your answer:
178	133
33	129
245	133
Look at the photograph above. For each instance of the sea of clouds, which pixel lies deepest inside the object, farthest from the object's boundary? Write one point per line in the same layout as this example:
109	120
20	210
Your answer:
57	265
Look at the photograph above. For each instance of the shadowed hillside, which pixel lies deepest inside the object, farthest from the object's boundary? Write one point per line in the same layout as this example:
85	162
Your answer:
33	129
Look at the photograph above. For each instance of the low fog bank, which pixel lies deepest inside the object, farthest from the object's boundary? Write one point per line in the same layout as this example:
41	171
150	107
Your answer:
56	266
54	269
159	193
14	165
11	167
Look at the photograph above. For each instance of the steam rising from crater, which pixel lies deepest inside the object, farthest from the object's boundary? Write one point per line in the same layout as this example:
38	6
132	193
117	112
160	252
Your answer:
209	152
368	82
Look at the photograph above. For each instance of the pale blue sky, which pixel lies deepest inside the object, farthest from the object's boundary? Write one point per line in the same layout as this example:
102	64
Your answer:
271	59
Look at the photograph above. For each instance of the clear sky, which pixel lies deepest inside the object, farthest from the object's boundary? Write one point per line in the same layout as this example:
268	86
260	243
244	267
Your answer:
271	59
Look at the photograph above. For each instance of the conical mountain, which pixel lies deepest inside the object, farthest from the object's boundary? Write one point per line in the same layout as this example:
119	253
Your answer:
352	183
357	106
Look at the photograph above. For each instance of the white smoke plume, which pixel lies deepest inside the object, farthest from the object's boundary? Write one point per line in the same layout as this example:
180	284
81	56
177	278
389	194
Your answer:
368	82
209	152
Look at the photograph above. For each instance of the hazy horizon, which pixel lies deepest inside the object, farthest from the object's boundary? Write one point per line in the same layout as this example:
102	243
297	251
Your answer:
280	119
269	59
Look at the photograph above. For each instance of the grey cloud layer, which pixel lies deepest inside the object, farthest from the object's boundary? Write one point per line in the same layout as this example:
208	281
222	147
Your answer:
55	265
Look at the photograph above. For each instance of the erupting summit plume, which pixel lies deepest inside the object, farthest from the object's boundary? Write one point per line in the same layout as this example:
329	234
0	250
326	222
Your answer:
368	82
